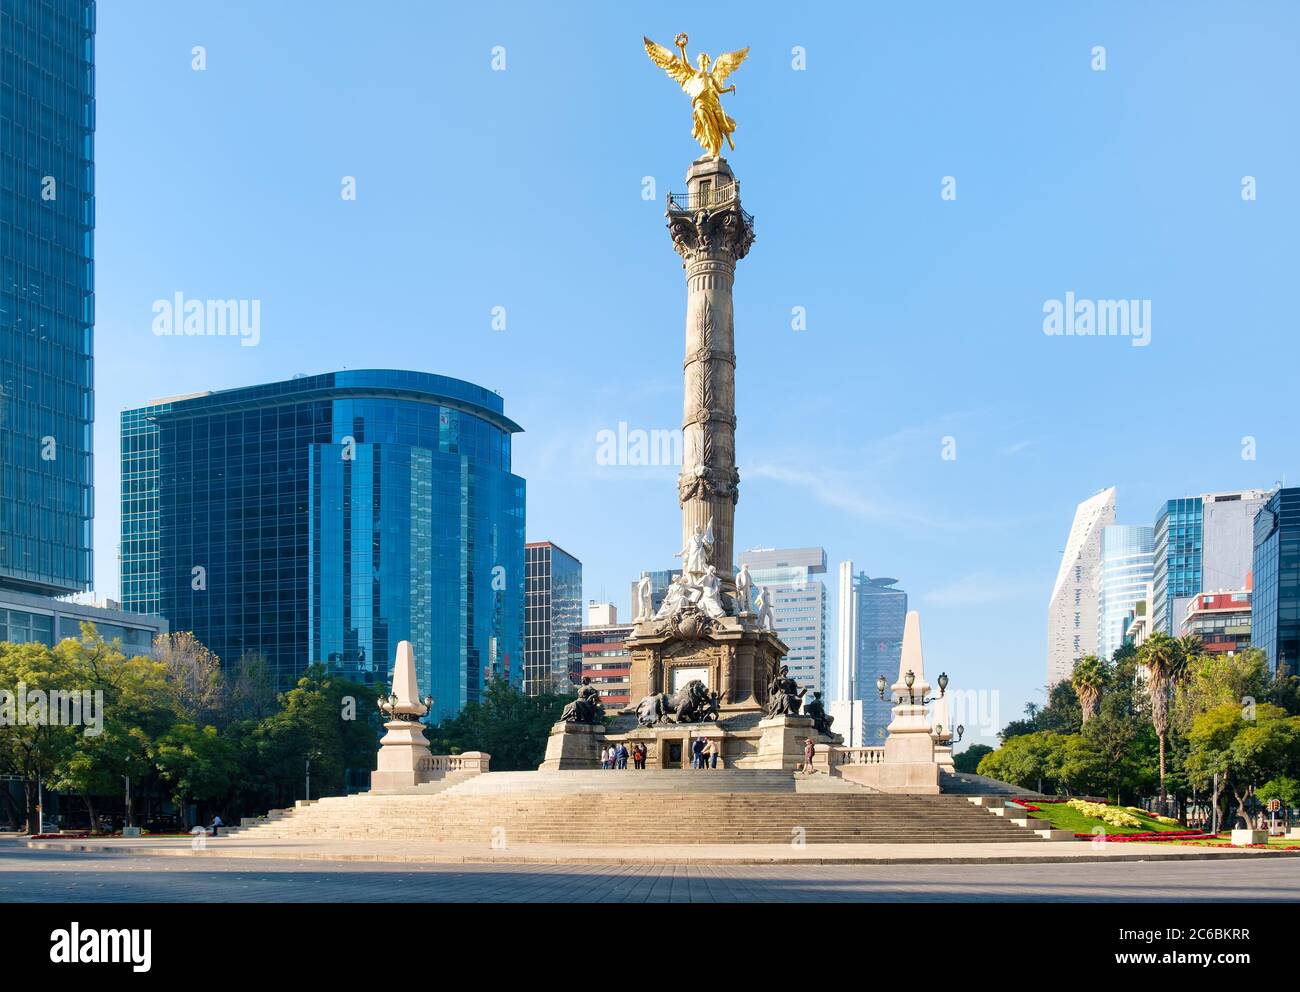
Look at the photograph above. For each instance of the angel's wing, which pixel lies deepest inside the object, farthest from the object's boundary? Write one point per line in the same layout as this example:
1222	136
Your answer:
669	62
708	532
728	63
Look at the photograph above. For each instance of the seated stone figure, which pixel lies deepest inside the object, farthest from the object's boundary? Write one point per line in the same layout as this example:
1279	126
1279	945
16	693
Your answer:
816	709
784	697
586	708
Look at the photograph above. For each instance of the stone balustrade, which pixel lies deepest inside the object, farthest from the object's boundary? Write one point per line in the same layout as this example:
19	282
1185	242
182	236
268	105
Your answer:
435	766
840	756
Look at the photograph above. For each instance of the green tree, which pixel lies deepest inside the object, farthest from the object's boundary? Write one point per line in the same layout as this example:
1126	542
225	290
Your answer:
32	747
1246	747
135	711
197	764
1088	681
969	760
510	726
1165	661
1032	761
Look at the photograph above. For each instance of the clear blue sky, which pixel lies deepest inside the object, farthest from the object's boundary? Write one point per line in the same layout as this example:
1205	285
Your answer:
522	189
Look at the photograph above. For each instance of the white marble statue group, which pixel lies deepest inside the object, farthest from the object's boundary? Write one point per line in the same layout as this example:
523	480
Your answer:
698	585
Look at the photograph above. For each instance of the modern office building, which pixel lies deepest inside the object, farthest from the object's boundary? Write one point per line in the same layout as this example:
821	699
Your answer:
798	606
47	298
25	618
1126	566
881	614
1201	543
872	613
1221	620
327	518
1072	610
552	615
1275	574
601	645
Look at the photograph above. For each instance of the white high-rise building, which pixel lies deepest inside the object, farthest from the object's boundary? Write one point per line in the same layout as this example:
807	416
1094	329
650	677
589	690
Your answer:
847	707
799	606
1072	610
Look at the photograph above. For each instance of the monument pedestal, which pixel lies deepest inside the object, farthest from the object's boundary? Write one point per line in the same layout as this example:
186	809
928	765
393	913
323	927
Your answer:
404	757
731	655
782	742
573	745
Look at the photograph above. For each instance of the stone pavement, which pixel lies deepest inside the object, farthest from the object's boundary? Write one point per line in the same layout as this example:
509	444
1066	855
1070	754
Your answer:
428	852
45	876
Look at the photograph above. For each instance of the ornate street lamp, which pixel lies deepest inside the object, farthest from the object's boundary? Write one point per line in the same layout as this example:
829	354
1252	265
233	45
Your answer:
950	739
909	680
943	683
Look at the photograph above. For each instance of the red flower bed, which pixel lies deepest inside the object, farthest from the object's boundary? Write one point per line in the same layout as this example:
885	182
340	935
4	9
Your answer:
1166	835
1030	807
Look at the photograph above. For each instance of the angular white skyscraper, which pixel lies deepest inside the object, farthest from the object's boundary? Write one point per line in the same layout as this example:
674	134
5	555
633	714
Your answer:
1072	610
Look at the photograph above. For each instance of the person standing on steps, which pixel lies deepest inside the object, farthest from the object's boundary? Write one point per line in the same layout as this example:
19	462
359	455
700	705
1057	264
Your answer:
697	753
809	750
715	753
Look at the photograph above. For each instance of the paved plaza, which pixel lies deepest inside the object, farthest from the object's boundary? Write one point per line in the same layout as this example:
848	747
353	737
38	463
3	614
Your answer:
28	875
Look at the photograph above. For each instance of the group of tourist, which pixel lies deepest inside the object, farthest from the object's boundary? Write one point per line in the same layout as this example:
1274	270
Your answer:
617	755
705	753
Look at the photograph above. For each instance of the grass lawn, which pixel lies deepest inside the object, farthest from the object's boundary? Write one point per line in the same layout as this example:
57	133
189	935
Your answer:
1062	817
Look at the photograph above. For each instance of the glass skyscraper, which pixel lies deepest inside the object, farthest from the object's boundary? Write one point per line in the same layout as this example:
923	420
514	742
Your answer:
1126	567
1202	544
881	614
1275	601
798	606
47	302
328	517
552	617
1176	575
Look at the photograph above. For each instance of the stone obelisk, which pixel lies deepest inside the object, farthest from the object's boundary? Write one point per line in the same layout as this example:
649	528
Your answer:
711	232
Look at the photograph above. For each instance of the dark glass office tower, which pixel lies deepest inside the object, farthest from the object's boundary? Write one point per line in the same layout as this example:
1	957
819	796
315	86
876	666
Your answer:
47	303
1275	601
327	518
882	612
552	617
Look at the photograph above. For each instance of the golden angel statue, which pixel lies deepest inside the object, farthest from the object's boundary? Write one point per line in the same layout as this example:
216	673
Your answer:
704	87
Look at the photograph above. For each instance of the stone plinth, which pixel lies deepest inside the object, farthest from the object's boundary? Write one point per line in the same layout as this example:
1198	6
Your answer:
1240	837
782	742
573	746
404	757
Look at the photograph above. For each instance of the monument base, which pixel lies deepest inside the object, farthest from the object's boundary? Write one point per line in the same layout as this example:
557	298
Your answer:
782	742
573	745
404	757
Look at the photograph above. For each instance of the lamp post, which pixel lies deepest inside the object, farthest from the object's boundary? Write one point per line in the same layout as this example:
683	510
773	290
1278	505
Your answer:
909	680
950	739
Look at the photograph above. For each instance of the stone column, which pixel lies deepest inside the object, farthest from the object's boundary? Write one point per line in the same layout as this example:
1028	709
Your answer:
711	232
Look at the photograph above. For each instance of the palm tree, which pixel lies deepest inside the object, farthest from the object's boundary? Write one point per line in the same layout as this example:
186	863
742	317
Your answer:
1088	680
1165	662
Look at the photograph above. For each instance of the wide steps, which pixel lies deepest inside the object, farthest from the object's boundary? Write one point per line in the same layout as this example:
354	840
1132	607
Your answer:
764	809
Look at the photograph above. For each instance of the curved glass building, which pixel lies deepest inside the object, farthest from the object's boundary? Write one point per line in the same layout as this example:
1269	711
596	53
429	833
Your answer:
328	517
1127	563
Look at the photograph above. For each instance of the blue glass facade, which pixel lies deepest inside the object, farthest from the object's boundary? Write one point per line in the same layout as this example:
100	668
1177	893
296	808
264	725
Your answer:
327	518
552	618
1176	560
47	303
1275	566
1126	567
882	612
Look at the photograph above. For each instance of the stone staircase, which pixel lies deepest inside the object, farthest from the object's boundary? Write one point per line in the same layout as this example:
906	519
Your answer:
641	807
